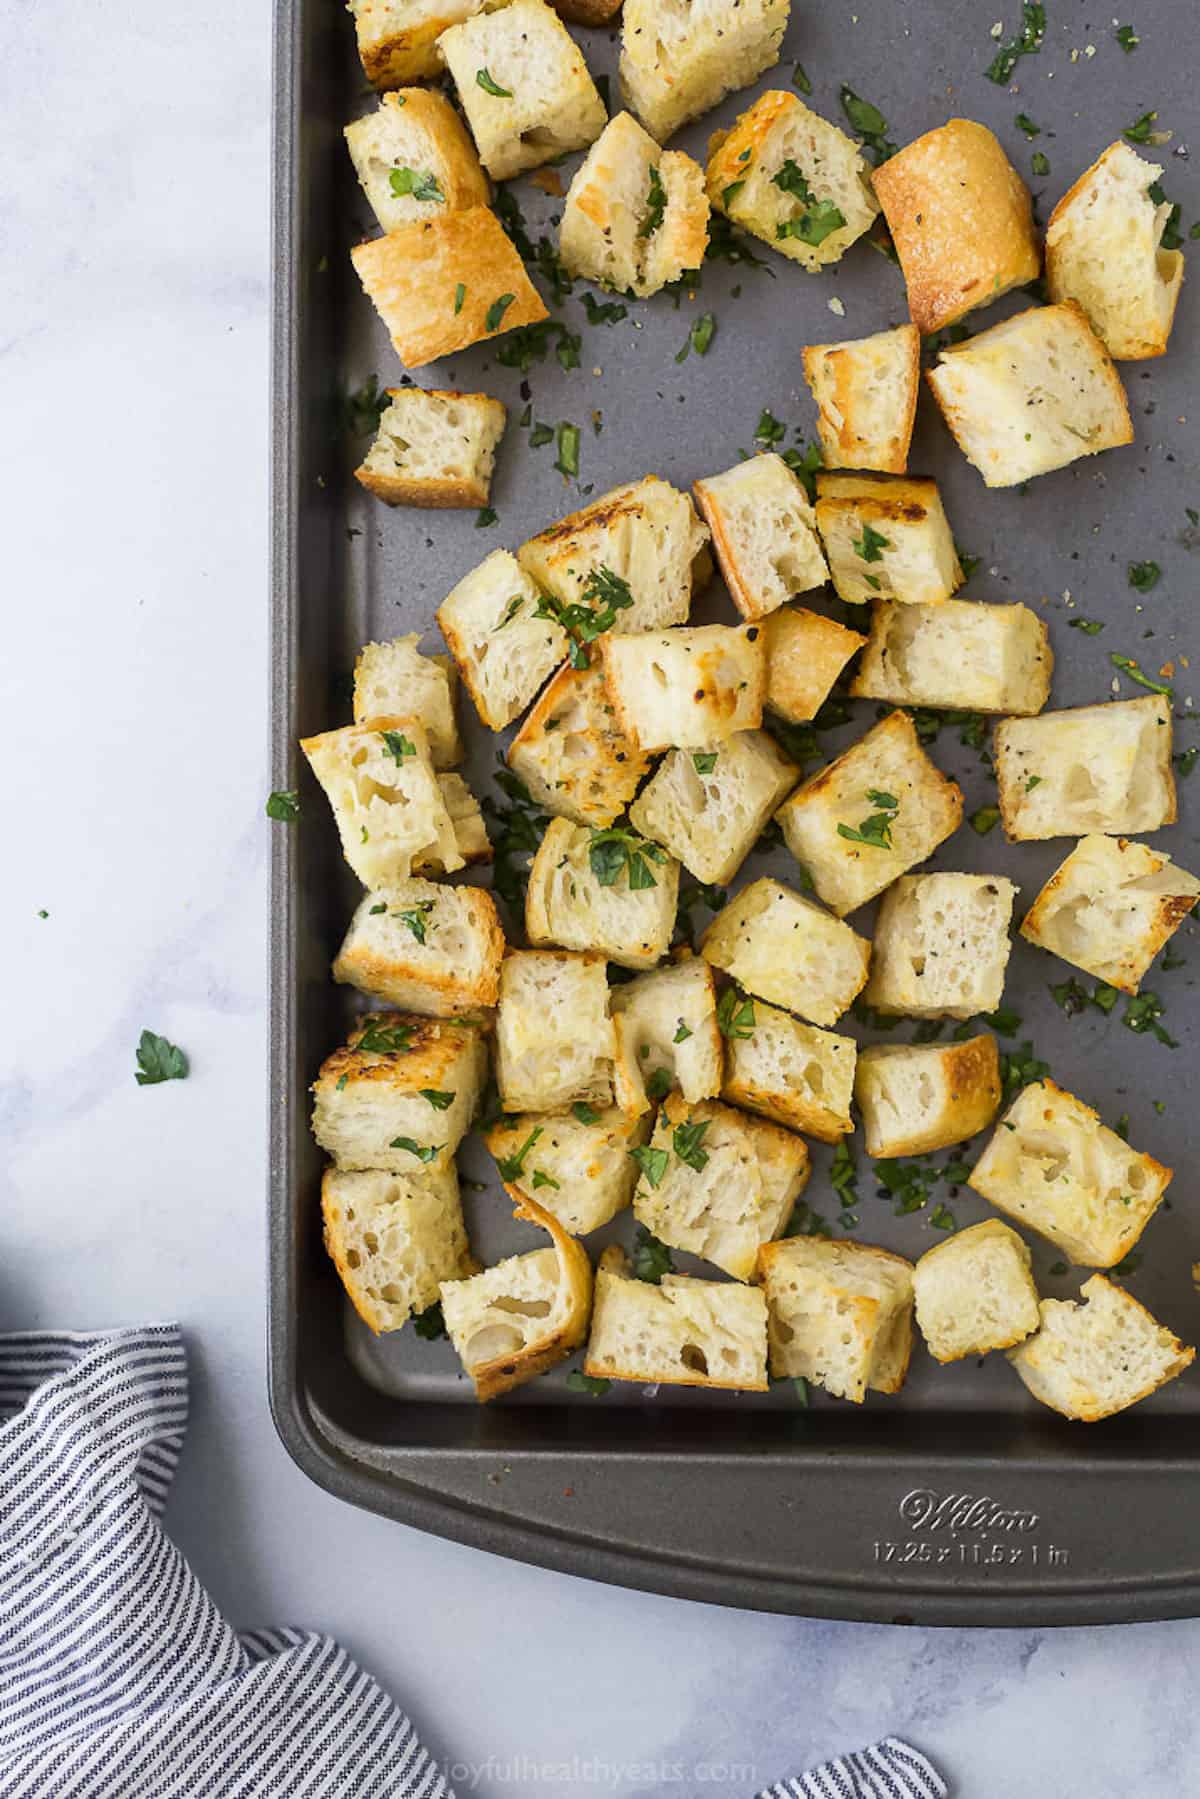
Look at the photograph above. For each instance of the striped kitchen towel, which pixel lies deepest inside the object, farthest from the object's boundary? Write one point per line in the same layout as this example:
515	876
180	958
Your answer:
889	1770
119	1678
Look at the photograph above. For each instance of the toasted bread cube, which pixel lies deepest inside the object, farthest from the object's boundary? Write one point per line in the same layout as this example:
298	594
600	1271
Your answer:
442	283
397	39
710	807
394	1238
577	1164
958	655
764	533
1087	769
643	537
554	1037
887	538
682	1333
667	1036
471	841
425	947
372	1097
941	946
523	85
962	222
572	755
687	689
504	649
614	896
790	1072
387	804
975	1292
680	57
781	947
1110	907
1032	394
394	680
805	655
918	1097
522	1316
866	394
838	1314
1089	1361
1104	250
865	818
1053	1165
412	155
727	1184
635	216
434	449
790	177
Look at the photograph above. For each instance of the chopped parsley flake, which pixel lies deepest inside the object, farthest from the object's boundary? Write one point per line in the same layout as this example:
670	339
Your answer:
484	80
686	1140
158	1060
1144	575
616	851
496	311
1027	42
284	805
421	185
735	1015
424	1152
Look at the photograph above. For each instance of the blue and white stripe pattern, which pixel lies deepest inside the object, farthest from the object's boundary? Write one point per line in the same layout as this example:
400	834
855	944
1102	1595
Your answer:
119	1678
889	1770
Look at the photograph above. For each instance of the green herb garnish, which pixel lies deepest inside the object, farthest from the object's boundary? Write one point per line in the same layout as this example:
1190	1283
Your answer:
1144	575
420	185
511	1168
616	851
870	546
686	1140
869	123
496	312
430	1323
735	1015
1135	673
424	1152
384	1039
439	1100
567	460
702	332
1027	42
158	1060
284	805
398	746
652	1162
704	761
484	80
656	205
595	1384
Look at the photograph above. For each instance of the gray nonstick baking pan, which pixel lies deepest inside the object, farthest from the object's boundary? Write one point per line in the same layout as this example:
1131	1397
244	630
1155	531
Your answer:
960	1500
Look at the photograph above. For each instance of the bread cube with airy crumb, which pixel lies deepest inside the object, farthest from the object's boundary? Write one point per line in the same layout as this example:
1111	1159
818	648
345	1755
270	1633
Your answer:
789	1072
387	805
688	689
805	655
683	1332
764	533
635	216
394	680
425	947
887	538
401	1094
790	177
866	393
782	947
918	1097
555	1041
710	807
1110	907
1089	1361
667	1036
608	892
571	753
397	39
838	1314
959	655
1054	1166
412	154
880	808
680	57
975	1292
578	1165
941	946
1090	768
394	1238
504	644
433	449
471	841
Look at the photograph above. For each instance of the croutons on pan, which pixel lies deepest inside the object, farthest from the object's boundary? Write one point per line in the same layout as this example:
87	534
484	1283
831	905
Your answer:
867	817
571	753
434	449
638	552
764	533
635	216
608	892
683	1332
918	1097
790	177
503	642
717	1183
554	1038
1104	250
1110	907
397	39
688	689
1052	1165
805	655
958	655
412	155
1089	768
1032	394
961	219
1091	1360
680	57
401	1093
789	1072
442	283
394	1238
471	841
975	1293
710	807
838	1314
387	804
887	538
782	947
425	947
394	680
667	1036
576	1164
941	946
523	85
866	394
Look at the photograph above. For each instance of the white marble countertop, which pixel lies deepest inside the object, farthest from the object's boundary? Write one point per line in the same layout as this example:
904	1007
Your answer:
133	343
